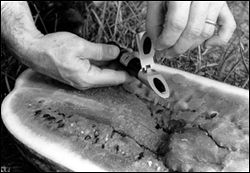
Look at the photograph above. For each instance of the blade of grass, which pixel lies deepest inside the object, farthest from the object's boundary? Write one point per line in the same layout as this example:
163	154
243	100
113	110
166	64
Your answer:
5	74
209	65
223	62
118	15
245	83
56	22
99	21
100	30
226	55
19	69
35	18
199	58
7	83
41	20
243	57
132	10
232	70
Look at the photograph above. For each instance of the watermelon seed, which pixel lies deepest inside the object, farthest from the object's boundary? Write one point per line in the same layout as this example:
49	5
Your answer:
211	115
159	111
46	115
96	133
96	140
60	125
61	114
117	147
103	146
69	116
41	101
87	137
157	126
59	121
141	155
38	112
112	134
51	118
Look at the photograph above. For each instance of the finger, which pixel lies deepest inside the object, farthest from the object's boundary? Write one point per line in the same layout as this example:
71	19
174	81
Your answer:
174	24
207	32
73	72
98	51
226	30
196	23
209	29
154	19
105	77
86	75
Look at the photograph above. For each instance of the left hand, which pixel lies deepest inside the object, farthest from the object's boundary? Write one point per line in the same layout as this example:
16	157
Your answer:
187	24
74	61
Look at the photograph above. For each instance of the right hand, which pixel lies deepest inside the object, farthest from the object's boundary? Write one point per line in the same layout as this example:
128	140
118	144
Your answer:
68	58
182	25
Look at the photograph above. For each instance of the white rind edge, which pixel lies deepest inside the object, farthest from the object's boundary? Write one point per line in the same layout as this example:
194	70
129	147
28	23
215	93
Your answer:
65	156
62	154
223	87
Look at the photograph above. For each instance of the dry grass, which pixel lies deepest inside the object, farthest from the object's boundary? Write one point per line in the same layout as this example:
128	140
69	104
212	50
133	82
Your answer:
120	21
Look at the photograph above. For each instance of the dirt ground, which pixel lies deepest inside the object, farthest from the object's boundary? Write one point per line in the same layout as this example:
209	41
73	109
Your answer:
120	21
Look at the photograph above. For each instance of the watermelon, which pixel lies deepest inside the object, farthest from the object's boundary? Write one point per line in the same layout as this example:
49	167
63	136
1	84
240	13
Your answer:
202	126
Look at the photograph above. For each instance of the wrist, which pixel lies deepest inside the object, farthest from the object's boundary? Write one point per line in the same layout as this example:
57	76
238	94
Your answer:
23	46
18	29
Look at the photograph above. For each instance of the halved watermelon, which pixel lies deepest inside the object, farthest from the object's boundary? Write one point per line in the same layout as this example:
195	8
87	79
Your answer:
203	126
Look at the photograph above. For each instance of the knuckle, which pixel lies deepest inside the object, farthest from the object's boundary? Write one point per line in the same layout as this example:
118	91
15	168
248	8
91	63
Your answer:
81	85
193	32
82	80
49	52
177	25
207	33
100	50
65	63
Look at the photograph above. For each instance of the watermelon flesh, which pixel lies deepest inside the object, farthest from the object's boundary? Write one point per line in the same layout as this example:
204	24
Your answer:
203	126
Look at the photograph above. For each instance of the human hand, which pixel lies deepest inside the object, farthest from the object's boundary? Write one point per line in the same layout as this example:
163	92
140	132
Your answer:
184	25
70	59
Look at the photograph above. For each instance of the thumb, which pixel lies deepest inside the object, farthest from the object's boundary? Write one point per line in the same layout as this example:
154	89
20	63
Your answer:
99	52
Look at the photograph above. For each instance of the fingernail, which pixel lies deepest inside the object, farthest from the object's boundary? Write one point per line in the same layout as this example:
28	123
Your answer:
113	51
